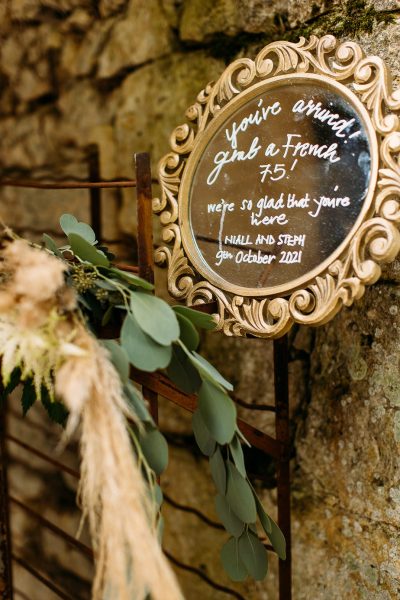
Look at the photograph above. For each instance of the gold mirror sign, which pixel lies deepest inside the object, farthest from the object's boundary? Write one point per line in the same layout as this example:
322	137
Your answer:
280	198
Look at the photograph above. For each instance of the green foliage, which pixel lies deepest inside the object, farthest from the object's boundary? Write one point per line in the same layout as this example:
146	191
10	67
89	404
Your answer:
240	496
143	352
203	438
264	518
207	371
188	333
232	561
230	521
253	555
235	448
218	471
181	371
51	245
136	402
154	336
277	540
154	448
70	224
132	279
198	318
119	358
156	318
218	412
86	251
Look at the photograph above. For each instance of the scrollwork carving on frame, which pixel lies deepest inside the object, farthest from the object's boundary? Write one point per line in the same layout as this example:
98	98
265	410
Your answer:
377	240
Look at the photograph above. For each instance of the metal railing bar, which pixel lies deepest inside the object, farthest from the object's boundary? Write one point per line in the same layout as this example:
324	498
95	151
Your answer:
203	576
43	580
163	386
54	528
72	183
168	499
67	185
43	456
129	268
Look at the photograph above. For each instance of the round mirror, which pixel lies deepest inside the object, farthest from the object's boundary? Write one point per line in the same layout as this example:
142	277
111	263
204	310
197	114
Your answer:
277	185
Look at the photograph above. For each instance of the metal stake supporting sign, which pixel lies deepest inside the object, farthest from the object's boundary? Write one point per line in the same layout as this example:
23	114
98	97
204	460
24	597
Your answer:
281	379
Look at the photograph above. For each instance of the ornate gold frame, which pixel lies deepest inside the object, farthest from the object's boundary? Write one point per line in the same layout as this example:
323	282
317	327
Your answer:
374	240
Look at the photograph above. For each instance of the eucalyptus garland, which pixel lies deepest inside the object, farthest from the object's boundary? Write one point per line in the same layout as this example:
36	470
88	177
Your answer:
152	336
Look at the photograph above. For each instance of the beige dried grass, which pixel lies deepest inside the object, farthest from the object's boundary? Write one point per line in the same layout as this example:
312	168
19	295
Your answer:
130	563
40	332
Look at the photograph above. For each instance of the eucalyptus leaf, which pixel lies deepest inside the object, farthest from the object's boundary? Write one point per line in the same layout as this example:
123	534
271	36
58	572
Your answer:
51	245
86	251
230	521
198	318
70	224
203	438
132	279
119	358
158	496
135	400
240	496
107	316
181	371
253	527
232	562
243	438
277	540
188	333
209	372
155	317
253	555
218	471
155	449
218	412
143	352
106	284
264	518
237	454
106	251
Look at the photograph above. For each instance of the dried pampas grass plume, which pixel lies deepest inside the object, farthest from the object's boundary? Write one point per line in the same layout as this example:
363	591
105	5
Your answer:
130	564
41	332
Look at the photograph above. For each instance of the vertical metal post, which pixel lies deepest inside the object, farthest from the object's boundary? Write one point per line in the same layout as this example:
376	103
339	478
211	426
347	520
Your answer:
6	587
144	197
281	371
95	193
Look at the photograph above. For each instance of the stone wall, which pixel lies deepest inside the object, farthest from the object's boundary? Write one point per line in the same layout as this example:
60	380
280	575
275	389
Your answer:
120	73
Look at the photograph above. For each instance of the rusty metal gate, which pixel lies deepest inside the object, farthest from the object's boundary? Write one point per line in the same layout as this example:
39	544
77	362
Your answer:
153	386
